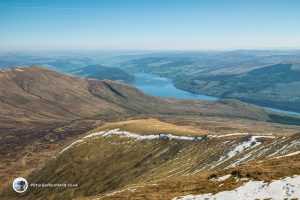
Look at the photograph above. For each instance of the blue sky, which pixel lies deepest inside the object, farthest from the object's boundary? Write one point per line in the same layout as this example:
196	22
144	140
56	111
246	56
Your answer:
149	24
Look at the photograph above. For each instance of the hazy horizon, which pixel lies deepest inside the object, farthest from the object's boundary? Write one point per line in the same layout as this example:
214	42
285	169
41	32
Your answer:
145	50
150	25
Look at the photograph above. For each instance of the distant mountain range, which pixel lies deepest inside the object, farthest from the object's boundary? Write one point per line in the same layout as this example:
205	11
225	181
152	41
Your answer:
272	86
255	77
206	72
100	72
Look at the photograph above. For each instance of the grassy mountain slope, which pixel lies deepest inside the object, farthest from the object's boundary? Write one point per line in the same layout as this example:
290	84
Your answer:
207	182
109	161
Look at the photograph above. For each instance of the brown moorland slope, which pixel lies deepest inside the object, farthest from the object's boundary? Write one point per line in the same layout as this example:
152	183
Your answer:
42	110
35	94
111	162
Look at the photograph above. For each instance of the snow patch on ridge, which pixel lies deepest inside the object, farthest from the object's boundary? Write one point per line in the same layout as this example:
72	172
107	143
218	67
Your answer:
251	142
239	148
165	136
277	190
225	177
137	136
127	134
227	135
77	142
287	155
